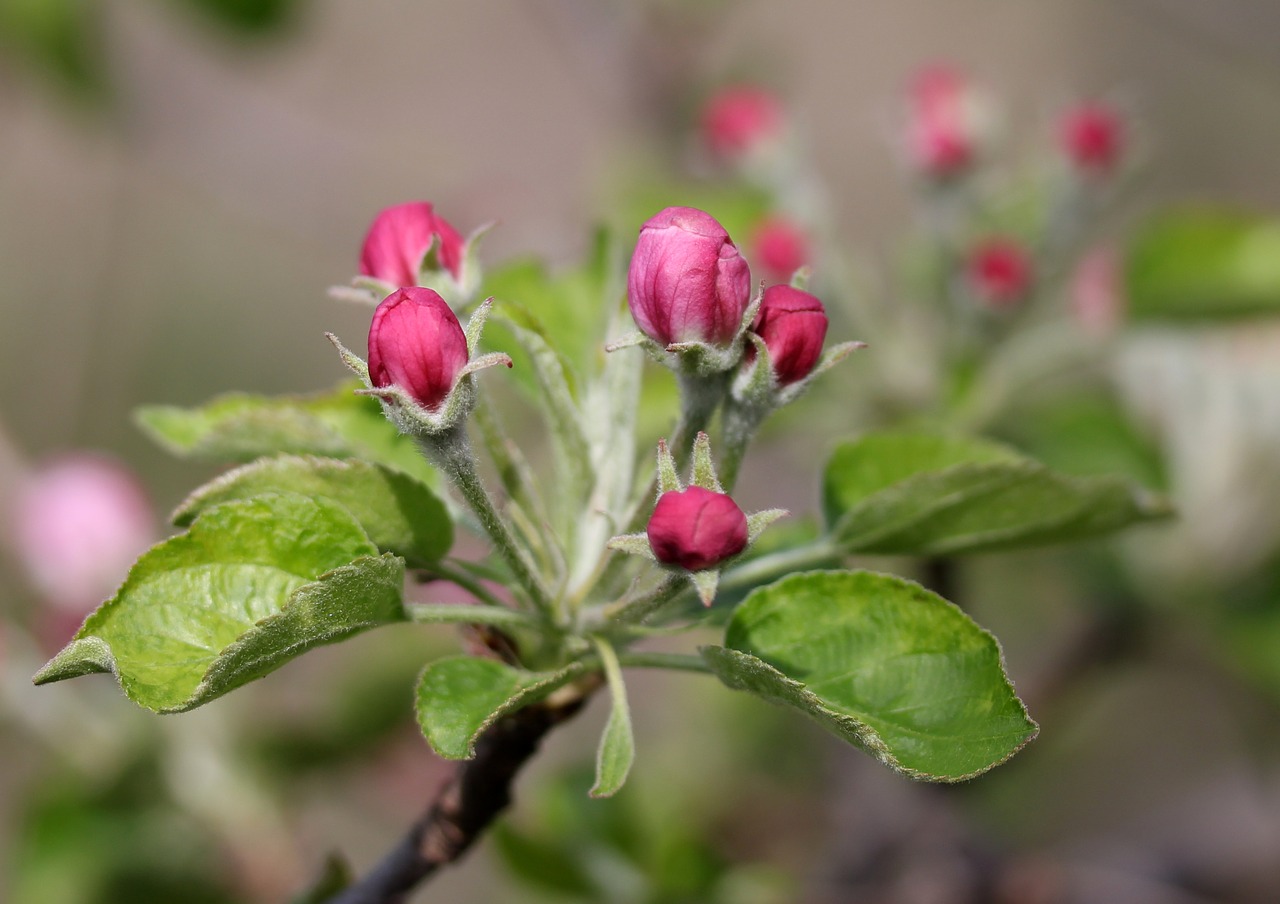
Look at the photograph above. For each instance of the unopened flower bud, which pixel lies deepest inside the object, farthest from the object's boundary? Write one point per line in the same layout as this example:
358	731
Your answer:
999	272
793	325
948	122
1097	293
400	238
780	247
1091	136
416	344
687	282
741	120
696	528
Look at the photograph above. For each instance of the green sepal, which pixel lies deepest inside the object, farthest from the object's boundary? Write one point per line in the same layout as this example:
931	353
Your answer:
458	697
883	663
253	584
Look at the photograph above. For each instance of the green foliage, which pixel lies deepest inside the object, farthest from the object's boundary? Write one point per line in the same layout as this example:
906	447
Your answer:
59	37
239	427
399	514
927	494
1204	264
459	697
253	584
617	745
884	664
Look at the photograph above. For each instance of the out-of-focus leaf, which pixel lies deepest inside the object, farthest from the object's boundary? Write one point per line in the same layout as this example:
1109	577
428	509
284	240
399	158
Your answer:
60	37
884	664
250	17
399	514
1185	265
334	876
253	584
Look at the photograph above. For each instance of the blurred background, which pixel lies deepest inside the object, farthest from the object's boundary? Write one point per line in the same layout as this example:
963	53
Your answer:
182	181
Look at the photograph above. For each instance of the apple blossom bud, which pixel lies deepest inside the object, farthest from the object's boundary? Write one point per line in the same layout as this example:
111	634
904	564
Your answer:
400	238
948	121
999	272
740	120
780	247
1096	292
687	281
696	528
1091	136
417	344
79	524
793	325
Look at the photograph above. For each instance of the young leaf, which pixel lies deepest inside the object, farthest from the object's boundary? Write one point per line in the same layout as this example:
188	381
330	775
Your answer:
459	697
399	514
926	494
617	745
253	584
884	664
239	428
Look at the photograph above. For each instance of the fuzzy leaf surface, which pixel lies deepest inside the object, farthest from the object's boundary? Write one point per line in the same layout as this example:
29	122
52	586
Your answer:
253	584
240	428
883	663
399	513
929	494
458	697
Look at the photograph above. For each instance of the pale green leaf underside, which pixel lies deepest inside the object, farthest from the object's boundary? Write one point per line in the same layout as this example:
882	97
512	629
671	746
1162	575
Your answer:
928	494
883	663
459	697
239	427
253	584
400	514
617	744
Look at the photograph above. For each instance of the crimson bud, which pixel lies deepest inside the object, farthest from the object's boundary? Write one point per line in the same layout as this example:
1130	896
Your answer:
741	119
400	238
1000	272
696	528
945	122
780	247
687	282
417	344
793	325
1092	137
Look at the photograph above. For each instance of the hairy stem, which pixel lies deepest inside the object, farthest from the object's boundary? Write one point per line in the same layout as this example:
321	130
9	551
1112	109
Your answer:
821	554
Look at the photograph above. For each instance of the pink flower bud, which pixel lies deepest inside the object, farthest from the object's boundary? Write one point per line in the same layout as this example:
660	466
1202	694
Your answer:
80	523
793	325
741	119
1092	138
401	236
687	282
1097	293
417	344
696	528
780	247
946	123
1000	272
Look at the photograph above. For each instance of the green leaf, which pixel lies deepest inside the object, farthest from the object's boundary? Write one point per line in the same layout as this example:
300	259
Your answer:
399	514
928	494
253	584
1198	264
334	876
617	745
884	664
240	428
460	696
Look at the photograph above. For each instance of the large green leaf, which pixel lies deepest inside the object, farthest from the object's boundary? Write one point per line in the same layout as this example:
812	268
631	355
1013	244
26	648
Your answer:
239	428
1201	264
399	514
884	664
253	584
460	696
929	494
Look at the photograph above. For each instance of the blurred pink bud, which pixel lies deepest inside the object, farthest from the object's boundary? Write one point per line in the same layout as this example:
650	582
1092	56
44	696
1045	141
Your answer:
81	522
999	272
400	238
1092	137
1097	296
696	528
946	123
780	247
741	119
687	282
793	325
417	344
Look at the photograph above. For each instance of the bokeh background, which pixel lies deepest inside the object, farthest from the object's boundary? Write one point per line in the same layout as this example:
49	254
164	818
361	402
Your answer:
181	182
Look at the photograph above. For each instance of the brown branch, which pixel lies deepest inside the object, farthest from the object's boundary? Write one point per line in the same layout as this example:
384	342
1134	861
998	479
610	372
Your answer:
479	790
